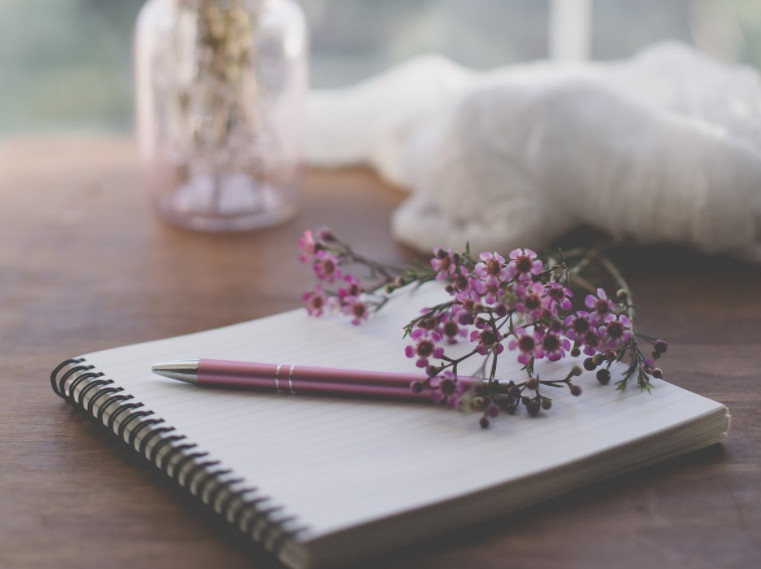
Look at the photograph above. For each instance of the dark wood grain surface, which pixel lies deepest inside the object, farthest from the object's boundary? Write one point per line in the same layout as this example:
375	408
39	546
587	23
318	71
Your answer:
84	265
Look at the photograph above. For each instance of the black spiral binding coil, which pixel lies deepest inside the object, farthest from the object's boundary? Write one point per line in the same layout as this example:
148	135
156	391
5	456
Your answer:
146	435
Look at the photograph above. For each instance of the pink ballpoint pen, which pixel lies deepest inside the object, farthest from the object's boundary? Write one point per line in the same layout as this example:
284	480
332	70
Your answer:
287	378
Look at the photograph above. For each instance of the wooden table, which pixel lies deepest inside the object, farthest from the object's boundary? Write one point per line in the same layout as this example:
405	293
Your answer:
84	265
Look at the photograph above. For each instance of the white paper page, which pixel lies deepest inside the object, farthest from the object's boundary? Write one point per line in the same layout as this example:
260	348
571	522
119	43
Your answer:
337	462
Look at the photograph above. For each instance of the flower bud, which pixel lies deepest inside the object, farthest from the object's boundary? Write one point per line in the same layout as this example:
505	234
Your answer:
660	346
576	370
575	390
484	422
416	387
657	372
597	358
532	383
603	376
325	234
589	364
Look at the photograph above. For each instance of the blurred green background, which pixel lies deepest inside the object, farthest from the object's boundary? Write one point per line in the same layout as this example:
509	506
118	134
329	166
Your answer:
65	65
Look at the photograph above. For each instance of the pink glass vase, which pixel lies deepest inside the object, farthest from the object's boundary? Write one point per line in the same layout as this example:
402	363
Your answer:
220	88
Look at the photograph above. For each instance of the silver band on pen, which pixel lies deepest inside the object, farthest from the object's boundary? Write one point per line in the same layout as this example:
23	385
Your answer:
277	377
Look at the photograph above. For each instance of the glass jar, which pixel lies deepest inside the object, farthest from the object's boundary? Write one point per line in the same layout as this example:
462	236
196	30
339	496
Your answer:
220	91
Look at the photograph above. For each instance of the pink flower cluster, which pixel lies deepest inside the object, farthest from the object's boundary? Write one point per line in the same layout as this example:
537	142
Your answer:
601	329
347	298
519	303
432	330
494	292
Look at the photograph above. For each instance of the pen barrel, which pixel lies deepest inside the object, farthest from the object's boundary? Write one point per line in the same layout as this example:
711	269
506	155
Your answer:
287	378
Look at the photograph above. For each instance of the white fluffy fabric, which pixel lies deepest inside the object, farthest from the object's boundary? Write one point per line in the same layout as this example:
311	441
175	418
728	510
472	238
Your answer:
663	147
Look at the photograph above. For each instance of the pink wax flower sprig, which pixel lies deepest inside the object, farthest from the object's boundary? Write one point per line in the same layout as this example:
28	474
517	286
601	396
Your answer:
353	295
538	307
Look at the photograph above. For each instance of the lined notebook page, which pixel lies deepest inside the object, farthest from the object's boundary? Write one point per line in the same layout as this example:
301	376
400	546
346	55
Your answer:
335	463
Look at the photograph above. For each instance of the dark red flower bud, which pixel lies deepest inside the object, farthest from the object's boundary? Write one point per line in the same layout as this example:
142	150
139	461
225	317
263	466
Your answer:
532	406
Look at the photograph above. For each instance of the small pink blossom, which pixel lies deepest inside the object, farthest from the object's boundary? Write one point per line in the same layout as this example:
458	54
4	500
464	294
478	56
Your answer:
463	285
558	297
356	309
580	328
490	290
473	294
326	266
444	262
352	289
306	245
550	345
425	347
492	266
453	325
316	301
591	342
488	340
577	325
523	263
601	305
446	388
531	300
525	343
615	331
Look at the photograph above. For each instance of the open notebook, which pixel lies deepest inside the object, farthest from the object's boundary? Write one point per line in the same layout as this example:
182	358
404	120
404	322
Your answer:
321	481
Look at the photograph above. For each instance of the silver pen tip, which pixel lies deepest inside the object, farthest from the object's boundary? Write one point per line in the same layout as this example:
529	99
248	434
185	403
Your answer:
183	371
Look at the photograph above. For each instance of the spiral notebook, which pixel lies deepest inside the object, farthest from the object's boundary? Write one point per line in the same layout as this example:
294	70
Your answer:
320	481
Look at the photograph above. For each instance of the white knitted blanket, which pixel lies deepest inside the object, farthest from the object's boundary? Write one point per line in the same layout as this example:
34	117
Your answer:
663	147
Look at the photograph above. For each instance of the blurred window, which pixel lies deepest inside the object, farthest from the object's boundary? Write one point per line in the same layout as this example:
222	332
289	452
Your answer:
65	65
